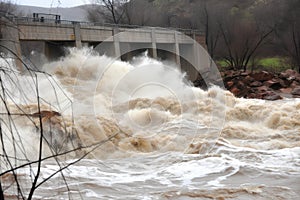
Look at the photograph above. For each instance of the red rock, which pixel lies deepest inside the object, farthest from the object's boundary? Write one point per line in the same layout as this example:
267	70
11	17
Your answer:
254	96
273	84
256	84
272	96
229	73
240	85
235	91
282	82
262	88
244	73
263	85
286	90
288	74
294	84
296	91
286	82
230	84
262	76
248	79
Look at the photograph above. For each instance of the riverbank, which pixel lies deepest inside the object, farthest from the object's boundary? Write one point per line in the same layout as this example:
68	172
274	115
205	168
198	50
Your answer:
261	85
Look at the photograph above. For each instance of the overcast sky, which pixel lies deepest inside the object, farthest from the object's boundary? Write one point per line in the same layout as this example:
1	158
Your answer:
51	3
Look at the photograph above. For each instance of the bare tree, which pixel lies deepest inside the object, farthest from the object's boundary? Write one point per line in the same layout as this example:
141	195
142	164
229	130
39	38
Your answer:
7	7
112	11
138	12
288	32
206	15
54	133
242	36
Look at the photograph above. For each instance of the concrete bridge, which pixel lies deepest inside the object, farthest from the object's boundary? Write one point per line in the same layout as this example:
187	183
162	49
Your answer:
51	37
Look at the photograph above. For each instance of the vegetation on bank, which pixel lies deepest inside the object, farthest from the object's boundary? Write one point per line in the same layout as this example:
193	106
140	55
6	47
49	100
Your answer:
271	64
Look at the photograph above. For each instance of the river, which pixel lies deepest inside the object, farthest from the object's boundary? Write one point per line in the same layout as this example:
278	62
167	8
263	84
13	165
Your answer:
144	132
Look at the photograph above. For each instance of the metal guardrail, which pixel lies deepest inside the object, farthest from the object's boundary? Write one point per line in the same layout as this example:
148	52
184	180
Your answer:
31	20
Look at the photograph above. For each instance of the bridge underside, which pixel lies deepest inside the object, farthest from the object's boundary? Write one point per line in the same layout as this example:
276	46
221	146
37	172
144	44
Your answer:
53	50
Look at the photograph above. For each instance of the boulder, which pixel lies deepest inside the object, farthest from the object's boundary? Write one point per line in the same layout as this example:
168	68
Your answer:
256	84
273	84
294	84
262	76
262	89
286	90
248	80
296	91
235	91
255	96
229	84
244	73
272	96
240	84
288	74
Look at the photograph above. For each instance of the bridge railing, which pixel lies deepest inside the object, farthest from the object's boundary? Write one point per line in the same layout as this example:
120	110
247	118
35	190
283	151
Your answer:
30	20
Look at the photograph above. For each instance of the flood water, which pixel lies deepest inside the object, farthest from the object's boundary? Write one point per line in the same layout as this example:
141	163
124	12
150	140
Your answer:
146	133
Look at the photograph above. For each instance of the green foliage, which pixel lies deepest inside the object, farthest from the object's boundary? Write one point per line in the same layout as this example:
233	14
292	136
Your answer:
222	63
272	64
275	64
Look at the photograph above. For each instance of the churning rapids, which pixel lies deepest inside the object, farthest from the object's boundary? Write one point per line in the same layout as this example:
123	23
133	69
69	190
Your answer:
146	133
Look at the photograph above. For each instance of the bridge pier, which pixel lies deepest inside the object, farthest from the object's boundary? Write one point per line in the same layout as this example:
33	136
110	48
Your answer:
77	33
10	43
153	42
177	51
116	42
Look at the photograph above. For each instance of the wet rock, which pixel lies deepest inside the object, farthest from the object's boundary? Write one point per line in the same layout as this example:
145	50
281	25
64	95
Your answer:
244	73
288	74
273	84
286	90
294	84
235	91
230	84
255	96
262	85
256	84
271	96
262	88
240	84
262	76
248	79
296	91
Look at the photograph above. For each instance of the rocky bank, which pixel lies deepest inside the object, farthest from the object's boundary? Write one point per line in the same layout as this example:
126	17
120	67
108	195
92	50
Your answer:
263	85
260	85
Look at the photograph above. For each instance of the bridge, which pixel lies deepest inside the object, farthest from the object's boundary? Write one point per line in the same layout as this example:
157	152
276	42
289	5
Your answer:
50	37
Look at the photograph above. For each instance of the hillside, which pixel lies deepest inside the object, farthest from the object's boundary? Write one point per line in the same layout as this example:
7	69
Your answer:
74	14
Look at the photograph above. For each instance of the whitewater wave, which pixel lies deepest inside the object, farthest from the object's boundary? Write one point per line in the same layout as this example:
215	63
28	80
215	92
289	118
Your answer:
148	132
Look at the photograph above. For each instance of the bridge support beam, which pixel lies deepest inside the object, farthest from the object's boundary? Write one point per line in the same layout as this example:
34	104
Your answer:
11	43
153	41
116	43
177	51
77	34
